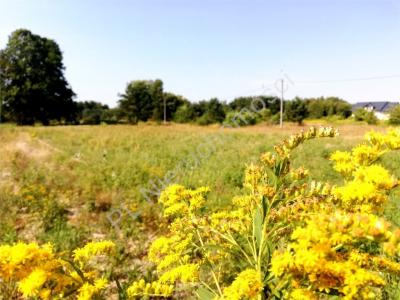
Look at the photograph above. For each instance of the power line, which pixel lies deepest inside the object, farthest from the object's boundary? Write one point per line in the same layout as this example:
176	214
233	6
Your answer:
348	79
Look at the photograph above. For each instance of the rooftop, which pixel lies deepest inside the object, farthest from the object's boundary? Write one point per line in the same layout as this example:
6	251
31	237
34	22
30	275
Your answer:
379	106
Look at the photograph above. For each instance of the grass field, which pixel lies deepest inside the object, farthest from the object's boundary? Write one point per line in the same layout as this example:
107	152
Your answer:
68	185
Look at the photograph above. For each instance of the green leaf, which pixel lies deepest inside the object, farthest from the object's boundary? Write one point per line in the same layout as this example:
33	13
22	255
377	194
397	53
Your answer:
258	225
265	206
205	294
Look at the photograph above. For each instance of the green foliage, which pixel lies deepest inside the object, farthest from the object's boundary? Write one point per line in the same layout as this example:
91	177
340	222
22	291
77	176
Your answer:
138	101
143	100
202	113
32	80
256	103
213	112
296	110
184	114
156	91
173	102
366	116
394	117
241	118
91	112
326	107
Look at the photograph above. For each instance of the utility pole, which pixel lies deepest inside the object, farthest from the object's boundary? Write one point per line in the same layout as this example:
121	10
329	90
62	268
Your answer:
281	116
165	109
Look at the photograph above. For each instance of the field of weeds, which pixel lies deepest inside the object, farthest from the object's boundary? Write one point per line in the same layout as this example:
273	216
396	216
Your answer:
71	185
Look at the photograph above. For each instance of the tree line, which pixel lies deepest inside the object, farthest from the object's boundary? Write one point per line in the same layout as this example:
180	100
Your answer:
34	89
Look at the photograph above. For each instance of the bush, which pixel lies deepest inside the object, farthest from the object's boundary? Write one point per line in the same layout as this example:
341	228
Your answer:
366	116
205	119
265	115
184	114
241	118
394	117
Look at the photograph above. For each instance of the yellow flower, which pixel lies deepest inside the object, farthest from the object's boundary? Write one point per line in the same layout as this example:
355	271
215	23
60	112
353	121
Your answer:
183	273
30	285
302	294
247	285
178	200
323	255
154	289
93	249
87	290
365	155
357	193
376	175
343	162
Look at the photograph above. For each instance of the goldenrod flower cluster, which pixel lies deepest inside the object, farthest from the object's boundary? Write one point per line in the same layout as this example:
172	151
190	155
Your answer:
295	140
93	249
247	285
322	254
367	183
155	289
41	273
345	247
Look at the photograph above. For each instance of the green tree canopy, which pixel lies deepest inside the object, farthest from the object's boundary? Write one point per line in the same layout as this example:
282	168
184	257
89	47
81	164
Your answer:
326	107
91	112
32	80
173	102
256	103
296	110
142	100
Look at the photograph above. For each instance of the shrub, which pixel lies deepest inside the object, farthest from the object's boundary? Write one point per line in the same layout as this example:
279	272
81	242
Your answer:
394	117
184	114
241	118
205	119
365	115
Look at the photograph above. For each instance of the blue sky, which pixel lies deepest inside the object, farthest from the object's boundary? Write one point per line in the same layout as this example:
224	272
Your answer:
221	48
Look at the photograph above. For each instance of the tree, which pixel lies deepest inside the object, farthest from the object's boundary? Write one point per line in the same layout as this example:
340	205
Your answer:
394	117
185	113
156	91
296	110
91	112
256	103
326	107
136	103
215	110
143	100
33	84
172	101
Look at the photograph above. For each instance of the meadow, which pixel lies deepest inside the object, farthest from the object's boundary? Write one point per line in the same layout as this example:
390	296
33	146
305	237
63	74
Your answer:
74	184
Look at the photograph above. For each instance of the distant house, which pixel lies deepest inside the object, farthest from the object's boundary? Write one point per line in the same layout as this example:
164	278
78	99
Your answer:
381	109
